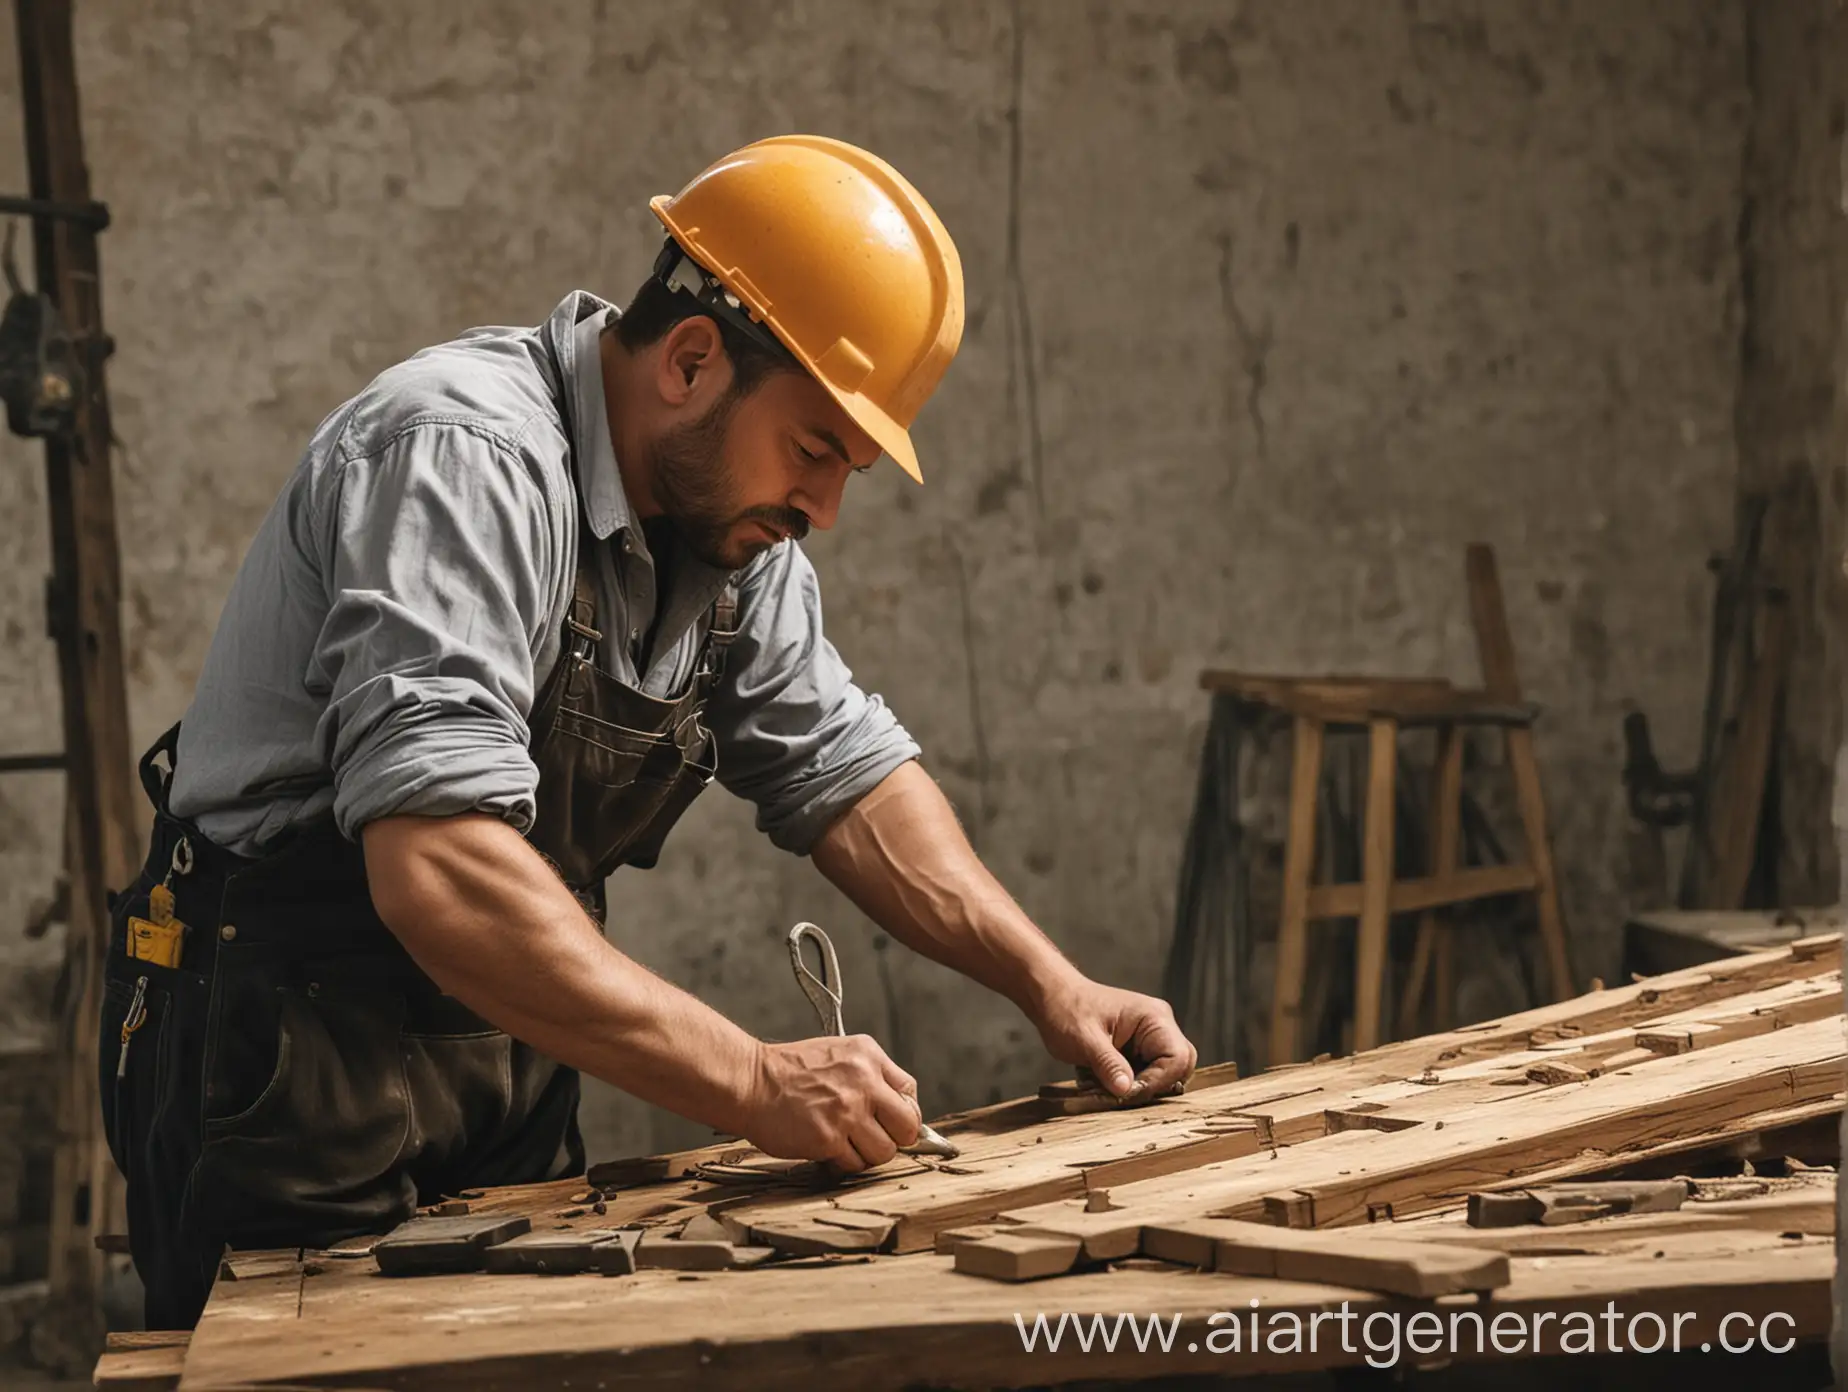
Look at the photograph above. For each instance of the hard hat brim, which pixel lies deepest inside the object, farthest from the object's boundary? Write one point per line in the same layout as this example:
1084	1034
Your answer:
887	433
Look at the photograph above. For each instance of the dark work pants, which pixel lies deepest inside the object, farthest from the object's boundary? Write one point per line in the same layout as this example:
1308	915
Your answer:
297	1080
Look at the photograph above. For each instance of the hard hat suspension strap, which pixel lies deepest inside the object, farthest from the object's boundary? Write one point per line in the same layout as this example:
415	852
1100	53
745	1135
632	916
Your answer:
682	274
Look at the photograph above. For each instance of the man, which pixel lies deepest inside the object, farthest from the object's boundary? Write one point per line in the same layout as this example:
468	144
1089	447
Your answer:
525	595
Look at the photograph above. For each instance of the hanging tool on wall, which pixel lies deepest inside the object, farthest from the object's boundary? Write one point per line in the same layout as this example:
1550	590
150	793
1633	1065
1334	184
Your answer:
1722	799
824	992
41	378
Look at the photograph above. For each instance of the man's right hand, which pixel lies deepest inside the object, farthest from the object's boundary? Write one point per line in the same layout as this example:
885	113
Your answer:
838	1099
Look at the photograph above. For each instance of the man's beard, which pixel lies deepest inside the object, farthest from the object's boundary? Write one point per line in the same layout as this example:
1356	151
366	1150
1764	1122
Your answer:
696	493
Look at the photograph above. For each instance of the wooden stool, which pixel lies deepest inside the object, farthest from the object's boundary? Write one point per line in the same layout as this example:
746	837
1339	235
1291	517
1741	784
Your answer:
1384	707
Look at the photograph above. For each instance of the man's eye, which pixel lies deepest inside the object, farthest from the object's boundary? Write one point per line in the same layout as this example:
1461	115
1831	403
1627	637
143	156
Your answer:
808	453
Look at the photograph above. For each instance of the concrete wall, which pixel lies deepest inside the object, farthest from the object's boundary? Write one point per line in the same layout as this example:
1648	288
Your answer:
1272	308
1791	405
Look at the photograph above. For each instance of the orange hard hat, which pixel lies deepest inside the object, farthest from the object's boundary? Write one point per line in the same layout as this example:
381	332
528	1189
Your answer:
844	261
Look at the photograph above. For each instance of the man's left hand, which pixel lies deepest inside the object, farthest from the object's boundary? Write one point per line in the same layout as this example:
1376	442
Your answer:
1129	1041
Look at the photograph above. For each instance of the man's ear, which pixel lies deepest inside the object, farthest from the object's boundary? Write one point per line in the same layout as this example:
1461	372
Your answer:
693	366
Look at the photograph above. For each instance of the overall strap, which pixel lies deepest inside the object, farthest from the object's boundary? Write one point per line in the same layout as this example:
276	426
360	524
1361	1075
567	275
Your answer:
581	632
723	630
577	647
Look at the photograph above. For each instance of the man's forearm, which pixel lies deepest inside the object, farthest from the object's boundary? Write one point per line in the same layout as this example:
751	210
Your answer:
487	919
903	859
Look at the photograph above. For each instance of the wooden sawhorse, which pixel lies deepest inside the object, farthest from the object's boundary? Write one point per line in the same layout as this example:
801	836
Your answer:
1384	707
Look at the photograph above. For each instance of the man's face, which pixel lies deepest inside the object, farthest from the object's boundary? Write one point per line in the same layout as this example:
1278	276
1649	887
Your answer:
756	469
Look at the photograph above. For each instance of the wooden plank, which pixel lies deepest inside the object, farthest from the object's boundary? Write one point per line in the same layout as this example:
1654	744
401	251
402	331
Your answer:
1410	1169
1298	873
1357	1175
1809	1212
1617	1007
1419	1269
1018	1256
1738	804
1817	945
1501	678
1376	882
1804	1063
102	815
1425	892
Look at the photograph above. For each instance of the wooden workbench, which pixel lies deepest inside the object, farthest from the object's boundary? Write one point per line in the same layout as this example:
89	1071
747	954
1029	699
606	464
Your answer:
895	1322
1670	1075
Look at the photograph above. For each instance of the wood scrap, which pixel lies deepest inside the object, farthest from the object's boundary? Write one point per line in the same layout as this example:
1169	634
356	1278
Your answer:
1554	1204
672	1254
1421	1269
817	1235
1552	1074
1018	1256
428	1246
703	1227
563	1253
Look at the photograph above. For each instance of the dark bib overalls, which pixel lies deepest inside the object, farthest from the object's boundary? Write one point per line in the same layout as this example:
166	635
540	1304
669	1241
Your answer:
296	1079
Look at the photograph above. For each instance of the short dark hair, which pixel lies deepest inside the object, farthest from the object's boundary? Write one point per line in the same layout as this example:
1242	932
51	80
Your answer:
656	307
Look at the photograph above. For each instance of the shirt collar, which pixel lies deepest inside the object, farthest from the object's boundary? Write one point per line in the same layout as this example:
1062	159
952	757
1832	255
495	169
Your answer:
573	331
574	328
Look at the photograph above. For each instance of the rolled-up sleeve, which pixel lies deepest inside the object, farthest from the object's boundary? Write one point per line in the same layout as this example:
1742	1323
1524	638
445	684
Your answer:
796	736
438	545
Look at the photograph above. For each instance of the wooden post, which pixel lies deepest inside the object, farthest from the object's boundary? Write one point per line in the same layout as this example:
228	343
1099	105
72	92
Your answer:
1500	679
1433	949
1298	872
1737	805
85	619
1376	882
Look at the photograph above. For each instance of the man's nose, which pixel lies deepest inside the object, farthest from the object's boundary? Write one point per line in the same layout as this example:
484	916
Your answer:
821	500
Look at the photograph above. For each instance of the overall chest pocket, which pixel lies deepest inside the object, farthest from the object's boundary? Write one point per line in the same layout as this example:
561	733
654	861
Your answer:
613	756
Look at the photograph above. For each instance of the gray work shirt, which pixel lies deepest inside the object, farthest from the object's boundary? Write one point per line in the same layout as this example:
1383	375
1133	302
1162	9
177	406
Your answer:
401	605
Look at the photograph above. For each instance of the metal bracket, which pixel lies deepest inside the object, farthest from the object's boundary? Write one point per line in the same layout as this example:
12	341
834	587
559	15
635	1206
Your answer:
92	214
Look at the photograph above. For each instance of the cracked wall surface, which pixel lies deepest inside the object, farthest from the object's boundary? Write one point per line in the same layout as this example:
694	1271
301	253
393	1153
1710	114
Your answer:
1272	309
